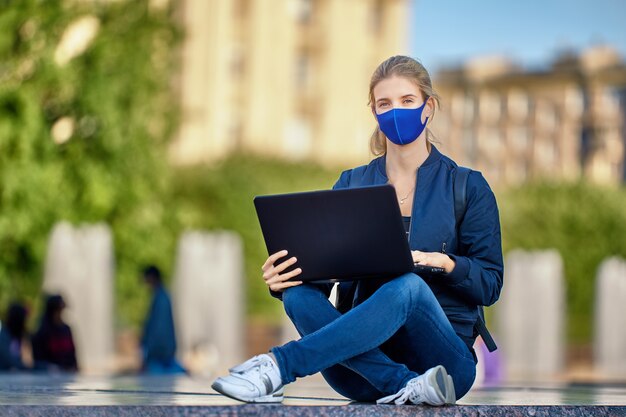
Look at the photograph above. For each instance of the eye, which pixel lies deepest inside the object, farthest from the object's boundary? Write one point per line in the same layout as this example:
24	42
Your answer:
382	104
408	101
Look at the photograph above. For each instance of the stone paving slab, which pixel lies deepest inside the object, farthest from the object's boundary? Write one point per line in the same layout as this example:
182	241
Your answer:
290	411
41	395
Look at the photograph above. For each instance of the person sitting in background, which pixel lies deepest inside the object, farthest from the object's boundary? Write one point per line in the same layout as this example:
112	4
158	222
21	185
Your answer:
11	337
158	342
53	344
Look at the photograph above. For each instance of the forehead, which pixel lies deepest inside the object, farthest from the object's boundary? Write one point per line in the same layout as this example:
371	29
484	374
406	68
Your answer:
395	86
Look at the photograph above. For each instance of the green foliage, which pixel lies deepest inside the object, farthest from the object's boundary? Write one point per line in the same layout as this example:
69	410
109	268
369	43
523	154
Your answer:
585	223
112	169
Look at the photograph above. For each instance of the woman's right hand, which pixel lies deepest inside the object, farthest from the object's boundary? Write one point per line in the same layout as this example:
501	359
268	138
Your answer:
272	274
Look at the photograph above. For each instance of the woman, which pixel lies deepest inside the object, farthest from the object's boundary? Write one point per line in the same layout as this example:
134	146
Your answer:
11	338
408	339
53	343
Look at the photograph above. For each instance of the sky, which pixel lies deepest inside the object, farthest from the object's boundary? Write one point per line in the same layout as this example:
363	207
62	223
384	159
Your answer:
531	32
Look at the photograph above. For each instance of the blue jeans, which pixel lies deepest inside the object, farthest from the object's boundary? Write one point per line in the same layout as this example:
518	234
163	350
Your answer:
373	350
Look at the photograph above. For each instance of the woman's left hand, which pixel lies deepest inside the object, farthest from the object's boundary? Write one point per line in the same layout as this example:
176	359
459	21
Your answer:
437	259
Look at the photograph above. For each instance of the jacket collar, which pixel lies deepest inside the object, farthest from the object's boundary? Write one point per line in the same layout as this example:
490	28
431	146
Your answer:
381	163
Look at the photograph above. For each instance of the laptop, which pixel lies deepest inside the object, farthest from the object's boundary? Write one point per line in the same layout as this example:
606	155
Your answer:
338	235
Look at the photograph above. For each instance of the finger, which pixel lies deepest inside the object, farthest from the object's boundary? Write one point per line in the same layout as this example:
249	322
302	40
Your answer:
284	265
283	285
269	274
284	277
273	258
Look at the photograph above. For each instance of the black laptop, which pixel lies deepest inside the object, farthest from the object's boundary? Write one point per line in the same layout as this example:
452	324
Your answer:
338	235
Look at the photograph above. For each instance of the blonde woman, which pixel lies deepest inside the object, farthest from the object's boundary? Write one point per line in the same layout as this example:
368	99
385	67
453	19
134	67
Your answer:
409	339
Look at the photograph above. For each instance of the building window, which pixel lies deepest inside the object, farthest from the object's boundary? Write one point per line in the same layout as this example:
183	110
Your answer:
303	70
469	145
520	139
242	8
297	139
517	103
489	106
457	107
574	102
610	101
546	116
304	11
237	62
469	110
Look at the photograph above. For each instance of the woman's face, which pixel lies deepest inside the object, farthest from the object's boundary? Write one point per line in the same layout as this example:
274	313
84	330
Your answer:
400	93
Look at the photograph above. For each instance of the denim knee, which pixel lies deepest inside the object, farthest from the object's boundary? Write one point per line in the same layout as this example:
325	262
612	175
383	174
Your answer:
406	287
295	299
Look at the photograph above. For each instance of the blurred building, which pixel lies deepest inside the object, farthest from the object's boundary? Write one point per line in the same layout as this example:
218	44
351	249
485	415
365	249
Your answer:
285	78
563	123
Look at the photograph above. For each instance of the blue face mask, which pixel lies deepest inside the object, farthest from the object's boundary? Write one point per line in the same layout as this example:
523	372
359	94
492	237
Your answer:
402	126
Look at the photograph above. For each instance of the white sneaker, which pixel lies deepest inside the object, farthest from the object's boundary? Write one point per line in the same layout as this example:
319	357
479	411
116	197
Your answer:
257	380
434	387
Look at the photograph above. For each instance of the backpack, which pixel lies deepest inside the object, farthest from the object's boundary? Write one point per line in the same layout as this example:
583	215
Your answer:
460	205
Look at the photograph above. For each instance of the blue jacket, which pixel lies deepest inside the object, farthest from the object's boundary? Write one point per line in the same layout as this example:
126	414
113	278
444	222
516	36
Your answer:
476	248
159	338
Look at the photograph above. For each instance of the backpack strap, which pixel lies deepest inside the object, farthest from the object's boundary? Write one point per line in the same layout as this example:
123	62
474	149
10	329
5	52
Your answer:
460	205
460	193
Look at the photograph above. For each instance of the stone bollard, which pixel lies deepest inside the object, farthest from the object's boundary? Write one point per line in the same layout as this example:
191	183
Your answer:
80	267
610	318
208	301
530	315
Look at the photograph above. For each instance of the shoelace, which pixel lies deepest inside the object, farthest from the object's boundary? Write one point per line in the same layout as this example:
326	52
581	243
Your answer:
259	366
413	391
247	365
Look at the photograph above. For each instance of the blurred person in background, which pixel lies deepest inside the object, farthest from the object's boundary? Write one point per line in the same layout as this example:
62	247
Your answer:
408	339
158	342
12	336
53	344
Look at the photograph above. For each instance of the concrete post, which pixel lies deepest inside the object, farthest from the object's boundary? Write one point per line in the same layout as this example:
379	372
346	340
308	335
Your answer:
531	315
80	267
209	300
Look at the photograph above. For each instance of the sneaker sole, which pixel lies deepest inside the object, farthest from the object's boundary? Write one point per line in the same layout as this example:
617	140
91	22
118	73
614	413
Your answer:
266	399
443	384
451	397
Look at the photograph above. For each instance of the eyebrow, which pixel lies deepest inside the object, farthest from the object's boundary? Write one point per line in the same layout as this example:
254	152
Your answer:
404	96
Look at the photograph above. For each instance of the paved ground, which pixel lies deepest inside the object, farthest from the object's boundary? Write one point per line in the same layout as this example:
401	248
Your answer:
39	395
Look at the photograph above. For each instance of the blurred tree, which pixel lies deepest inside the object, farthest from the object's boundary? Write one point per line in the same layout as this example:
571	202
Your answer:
85	113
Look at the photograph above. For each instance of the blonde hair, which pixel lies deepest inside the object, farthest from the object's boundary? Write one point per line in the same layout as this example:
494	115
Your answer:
411	69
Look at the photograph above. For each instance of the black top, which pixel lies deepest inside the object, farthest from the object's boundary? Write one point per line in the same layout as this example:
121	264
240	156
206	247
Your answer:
407	224
53	346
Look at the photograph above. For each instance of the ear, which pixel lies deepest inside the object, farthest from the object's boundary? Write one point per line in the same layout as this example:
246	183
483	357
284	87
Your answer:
429	109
